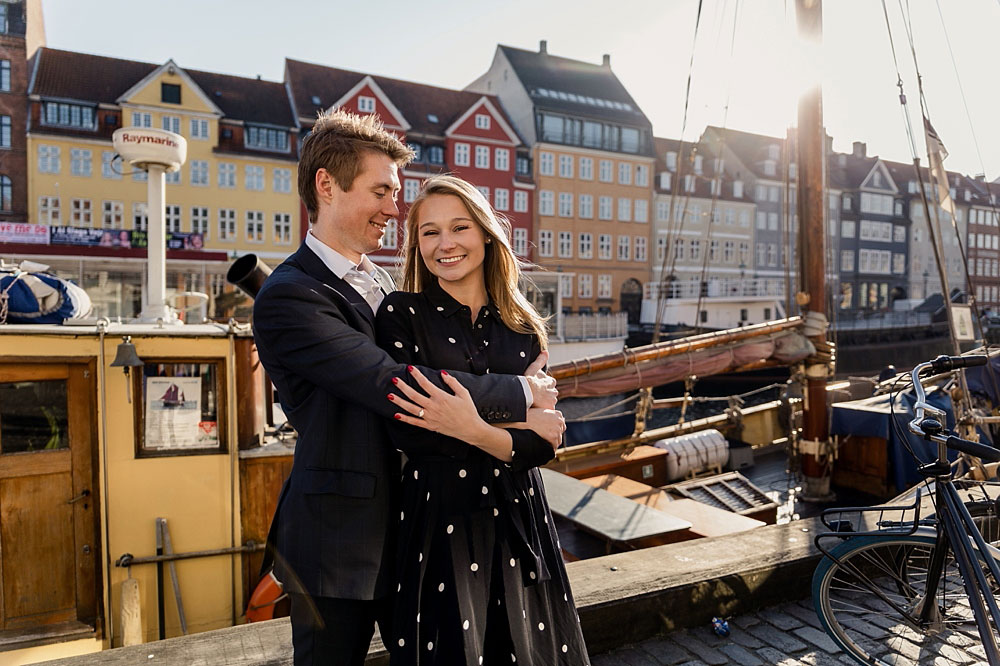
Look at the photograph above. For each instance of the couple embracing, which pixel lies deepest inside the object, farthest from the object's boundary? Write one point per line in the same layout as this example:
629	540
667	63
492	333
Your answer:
454	553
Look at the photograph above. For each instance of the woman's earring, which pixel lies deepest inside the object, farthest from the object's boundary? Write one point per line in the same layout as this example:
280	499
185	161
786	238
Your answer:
489	240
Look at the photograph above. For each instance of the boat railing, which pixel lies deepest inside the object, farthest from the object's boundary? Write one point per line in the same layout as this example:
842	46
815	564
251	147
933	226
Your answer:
734	287
869	321
581	326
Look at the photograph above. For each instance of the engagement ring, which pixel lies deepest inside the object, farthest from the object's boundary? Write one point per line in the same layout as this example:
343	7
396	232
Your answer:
420	414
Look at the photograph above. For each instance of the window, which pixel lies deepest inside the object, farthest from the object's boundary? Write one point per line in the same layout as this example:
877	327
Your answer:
173	178
772	254
689	183
485	191
565	166
604	174
773	193
744	218
624	173
227	224
847	261
389	236
501	159
520	201
604	286
61	114
482	121
624	248
744	254
642	175
523	166
661	248
546	203
738	189
586	247
140	219
254	178
545	243
665	178
170	93
80	209
411	187
585	281
847	228
283	181
172	217
461	154
641	210
604	246
79	161
108	169
772	221
761	254
566	286
366	104
671	159
898	263
283	229
520	242
729	252
713	250
678	248
761	220
5	132
266	138
761	193
501	198
662	211
435	155
565	244
565	204
201	383
112	215
604	208
546	164
227	175
586	168
418	151
639	243
171	124
199	172
587	206
5	75
255	226
624	209
769	168
698	163
845	202
199	220
140	119
482	157
48	159
199	128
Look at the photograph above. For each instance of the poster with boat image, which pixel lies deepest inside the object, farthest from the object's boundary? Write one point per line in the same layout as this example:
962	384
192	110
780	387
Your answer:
173	413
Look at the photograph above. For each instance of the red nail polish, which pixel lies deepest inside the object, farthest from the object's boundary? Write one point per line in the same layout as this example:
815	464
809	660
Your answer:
444	372
395	380
410	368
397	416
391	397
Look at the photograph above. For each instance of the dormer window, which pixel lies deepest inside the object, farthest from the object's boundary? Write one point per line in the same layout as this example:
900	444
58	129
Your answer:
877	179
770	168
266	138
315	100
697	163
738	189
773	151
482	121
432	118
60	114
366	104
912	187
672	161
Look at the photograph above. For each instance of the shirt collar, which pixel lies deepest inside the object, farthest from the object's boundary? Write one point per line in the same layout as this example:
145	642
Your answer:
445	303
338	264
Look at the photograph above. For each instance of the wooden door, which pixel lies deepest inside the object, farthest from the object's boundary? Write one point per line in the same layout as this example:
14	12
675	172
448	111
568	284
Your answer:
48	542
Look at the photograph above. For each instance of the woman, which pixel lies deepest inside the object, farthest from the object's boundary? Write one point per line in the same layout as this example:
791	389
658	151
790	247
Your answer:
481	578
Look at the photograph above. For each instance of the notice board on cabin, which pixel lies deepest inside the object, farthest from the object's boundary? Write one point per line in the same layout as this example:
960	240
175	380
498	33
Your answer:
180	408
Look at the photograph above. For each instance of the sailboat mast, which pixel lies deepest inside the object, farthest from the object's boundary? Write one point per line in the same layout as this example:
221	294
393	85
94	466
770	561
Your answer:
812	260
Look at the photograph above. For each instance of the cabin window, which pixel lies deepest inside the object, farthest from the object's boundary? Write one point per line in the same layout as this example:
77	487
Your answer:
179	408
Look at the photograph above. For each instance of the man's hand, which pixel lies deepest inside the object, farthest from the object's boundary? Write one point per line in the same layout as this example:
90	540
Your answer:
548	424
543	386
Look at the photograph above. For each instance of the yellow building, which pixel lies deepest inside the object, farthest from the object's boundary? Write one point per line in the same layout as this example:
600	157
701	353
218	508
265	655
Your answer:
236	193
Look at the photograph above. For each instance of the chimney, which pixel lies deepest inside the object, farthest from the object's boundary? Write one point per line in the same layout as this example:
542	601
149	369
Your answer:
860	149
606	61
981	177
543	46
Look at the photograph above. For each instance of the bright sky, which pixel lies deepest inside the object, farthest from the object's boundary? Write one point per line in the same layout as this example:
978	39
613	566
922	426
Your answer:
759	72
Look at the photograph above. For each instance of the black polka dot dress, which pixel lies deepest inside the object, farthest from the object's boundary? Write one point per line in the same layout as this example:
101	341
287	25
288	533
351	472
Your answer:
480	574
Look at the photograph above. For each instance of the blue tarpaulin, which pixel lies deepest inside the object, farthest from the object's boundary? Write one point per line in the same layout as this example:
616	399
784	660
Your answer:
870	417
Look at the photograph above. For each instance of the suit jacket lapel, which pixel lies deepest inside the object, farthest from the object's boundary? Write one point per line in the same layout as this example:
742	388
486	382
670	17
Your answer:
315	267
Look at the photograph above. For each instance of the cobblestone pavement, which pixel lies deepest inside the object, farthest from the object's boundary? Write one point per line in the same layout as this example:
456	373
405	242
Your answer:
786	635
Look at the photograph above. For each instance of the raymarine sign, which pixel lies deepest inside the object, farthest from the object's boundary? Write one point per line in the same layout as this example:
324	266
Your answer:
142	146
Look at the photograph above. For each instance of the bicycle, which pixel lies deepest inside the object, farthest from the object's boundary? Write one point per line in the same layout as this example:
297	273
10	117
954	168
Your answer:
898	587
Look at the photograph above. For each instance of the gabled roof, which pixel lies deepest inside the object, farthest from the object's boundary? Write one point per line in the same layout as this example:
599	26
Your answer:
582	89
703	187
99	79
430	110
751	149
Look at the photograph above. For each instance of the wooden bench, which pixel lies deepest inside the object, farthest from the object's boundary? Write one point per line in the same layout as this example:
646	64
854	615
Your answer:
706	520
619	522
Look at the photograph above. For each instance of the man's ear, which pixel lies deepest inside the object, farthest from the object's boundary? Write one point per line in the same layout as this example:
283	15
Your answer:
324	184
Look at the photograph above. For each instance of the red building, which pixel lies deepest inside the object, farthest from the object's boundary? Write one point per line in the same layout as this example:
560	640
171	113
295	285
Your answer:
452	131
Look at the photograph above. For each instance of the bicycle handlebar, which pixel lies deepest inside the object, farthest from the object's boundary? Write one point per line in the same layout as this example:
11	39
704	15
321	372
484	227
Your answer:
923	409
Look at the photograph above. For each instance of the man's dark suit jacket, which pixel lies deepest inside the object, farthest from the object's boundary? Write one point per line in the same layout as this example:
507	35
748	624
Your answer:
315	337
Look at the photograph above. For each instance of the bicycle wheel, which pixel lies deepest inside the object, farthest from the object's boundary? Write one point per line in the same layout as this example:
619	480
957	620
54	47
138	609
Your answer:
874	632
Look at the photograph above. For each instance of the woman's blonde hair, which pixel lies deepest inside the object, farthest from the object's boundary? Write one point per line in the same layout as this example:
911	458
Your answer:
501	269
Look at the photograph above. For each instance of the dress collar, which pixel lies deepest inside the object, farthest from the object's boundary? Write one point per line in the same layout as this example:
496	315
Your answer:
445	303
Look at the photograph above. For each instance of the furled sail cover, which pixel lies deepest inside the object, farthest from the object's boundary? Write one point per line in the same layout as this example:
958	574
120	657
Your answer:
779	348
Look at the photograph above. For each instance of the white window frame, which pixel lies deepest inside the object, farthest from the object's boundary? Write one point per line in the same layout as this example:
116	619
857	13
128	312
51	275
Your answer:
253	226
366	104
546	203
461	154
501	198
112	214
482	121
520	201
482	160
81	213
282	228
227	224
501	159
565	247
545	248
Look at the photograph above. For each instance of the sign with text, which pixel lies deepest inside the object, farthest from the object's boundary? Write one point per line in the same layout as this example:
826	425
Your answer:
22	232
86	237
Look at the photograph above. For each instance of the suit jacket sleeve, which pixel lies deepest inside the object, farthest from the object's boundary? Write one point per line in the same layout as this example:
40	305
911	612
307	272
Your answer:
530	449
306	333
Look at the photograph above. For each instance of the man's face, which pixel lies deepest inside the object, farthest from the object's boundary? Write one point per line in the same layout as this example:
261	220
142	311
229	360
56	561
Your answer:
357	218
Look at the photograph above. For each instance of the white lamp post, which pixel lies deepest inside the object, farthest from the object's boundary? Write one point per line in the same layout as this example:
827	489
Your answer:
158	152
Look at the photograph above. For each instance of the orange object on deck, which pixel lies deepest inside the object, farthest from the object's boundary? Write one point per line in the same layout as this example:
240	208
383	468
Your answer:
265	597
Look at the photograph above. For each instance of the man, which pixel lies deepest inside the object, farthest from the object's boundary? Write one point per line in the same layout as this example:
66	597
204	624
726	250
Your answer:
313	327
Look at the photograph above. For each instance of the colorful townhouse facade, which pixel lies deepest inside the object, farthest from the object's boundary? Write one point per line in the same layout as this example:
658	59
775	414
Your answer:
593	161
451	131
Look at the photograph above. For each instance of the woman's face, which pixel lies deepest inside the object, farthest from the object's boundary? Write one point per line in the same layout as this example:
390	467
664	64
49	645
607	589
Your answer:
452	244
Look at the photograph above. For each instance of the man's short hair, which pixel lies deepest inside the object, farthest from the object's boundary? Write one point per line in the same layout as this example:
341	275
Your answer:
336	143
